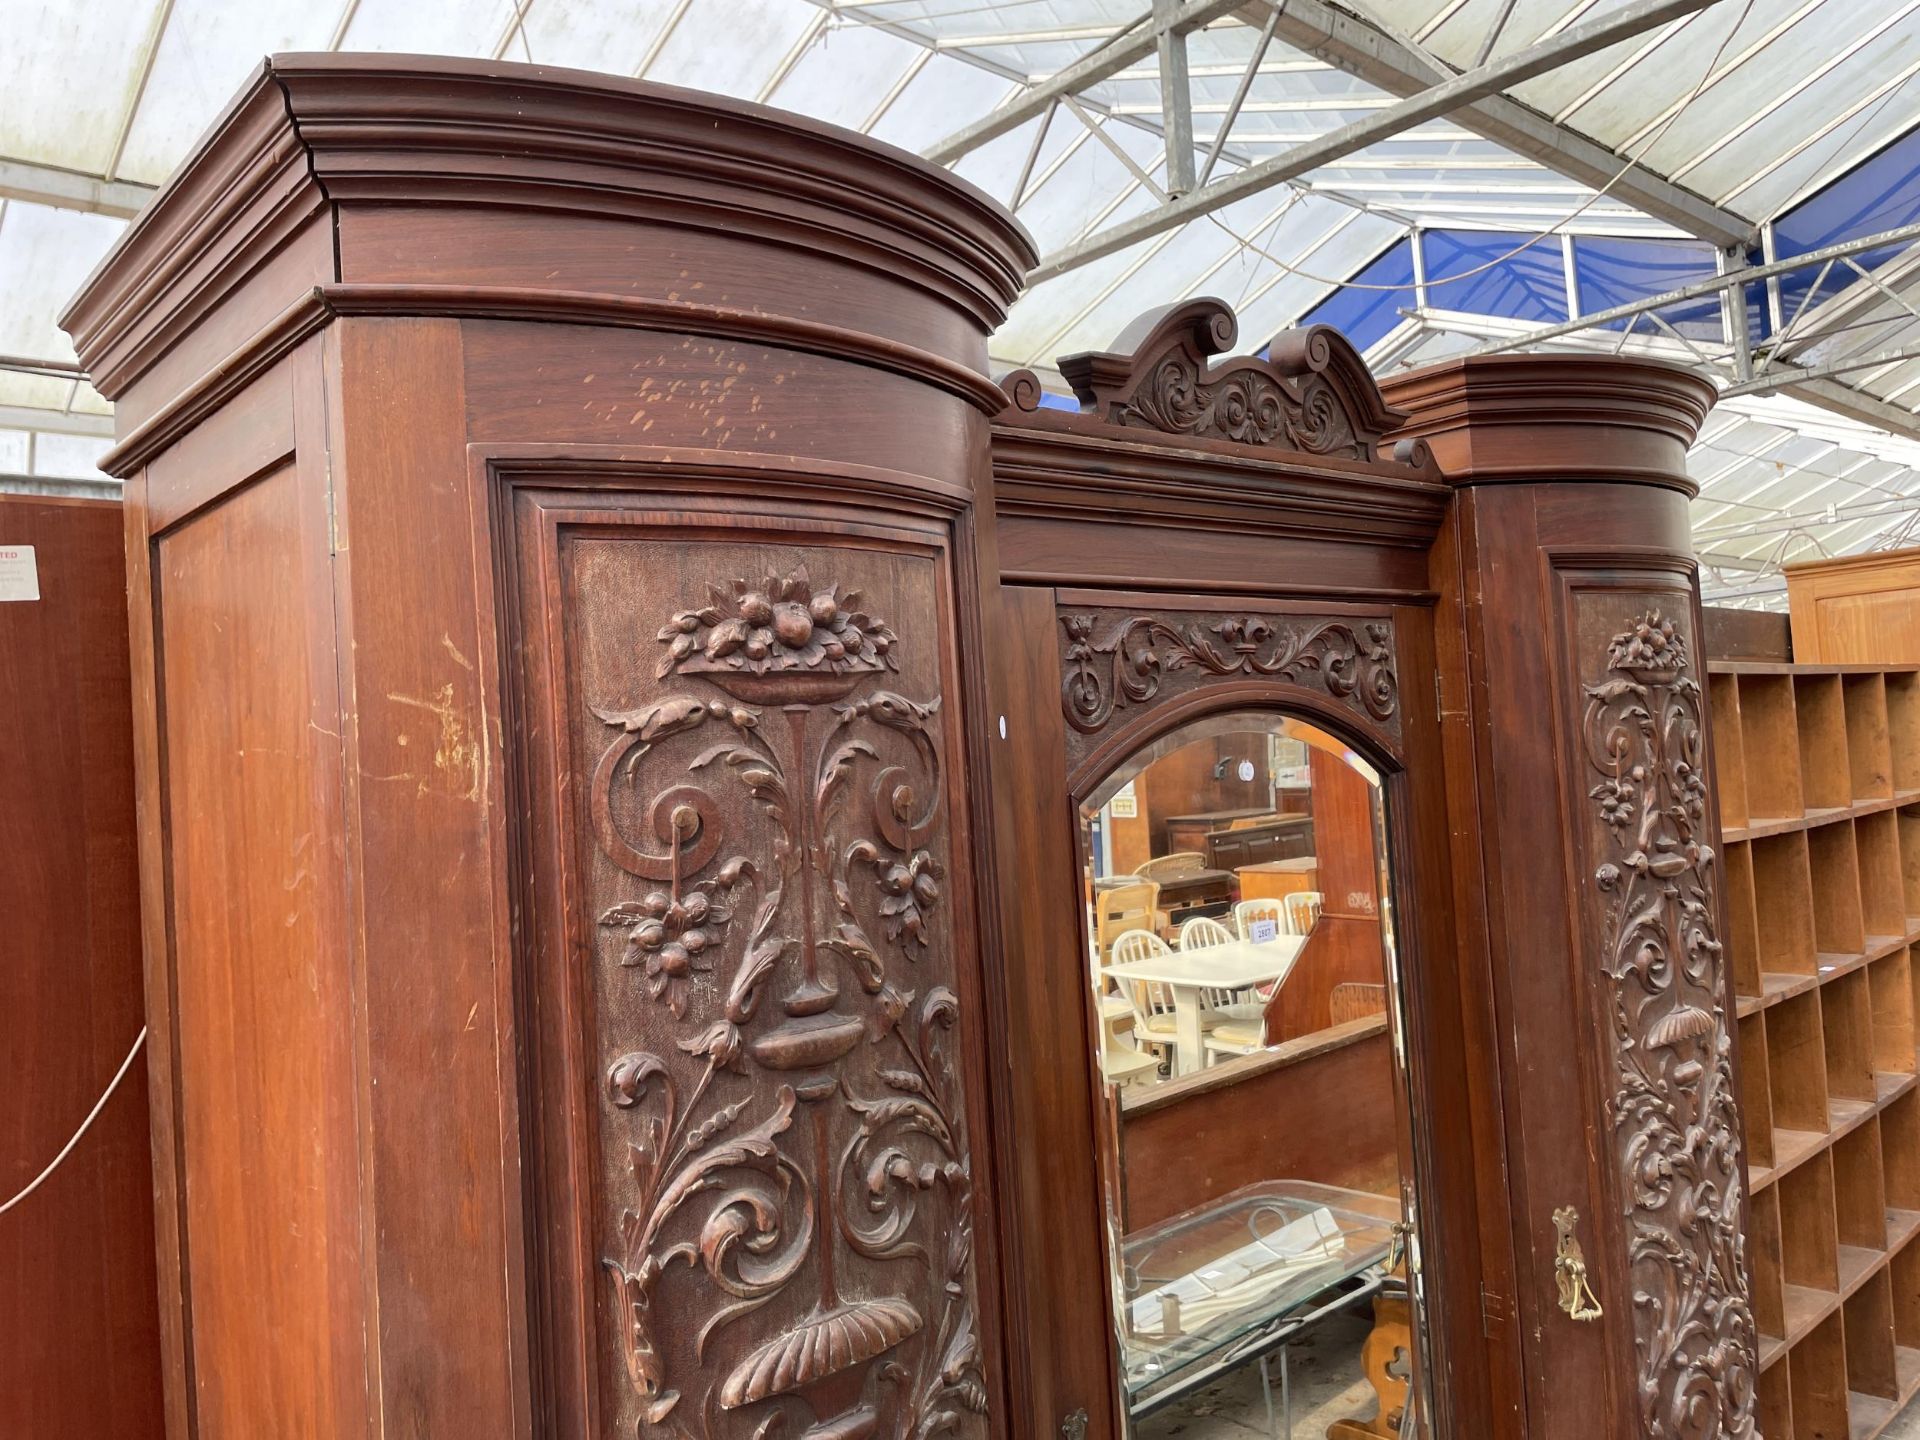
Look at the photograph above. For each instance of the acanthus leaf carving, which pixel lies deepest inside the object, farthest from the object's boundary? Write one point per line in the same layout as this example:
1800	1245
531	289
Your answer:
795	1130
1674	1110
1121	658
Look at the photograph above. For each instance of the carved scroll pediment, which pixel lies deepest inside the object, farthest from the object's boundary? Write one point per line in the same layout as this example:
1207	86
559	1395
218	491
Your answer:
1312	394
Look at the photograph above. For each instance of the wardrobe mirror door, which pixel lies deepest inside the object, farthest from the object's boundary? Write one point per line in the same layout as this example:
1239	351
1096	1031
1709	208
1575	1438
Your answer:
1262	1239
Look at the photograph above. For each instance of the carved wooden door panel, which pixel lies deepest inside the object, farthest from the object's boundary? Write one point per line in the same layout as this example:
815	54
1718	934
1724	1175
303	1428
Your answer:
1661	1018
1623	1118
755	980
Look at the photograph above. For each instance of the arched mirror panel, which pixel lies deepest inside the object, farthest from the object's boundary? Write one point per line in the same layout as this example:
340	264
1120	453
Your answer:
1256	1146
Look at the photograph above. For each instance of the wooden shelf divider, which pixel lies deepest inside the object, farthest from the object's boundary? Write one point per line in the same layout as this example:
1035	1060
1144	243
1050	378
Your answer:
1819	785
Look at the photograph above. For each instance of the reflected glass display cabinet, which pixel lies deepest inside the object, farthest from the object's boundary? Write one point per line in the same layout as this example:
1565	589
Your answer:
711	873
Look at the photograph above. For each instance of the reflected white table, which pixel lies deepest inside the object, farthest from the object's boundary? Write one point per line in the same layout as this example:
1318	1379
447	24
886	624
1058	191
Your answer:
1237	965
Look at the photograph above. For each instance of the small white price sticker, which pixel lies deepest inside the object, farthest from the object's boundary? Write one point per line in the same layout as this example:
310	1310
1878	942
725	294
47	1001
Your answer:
19	574
1262	931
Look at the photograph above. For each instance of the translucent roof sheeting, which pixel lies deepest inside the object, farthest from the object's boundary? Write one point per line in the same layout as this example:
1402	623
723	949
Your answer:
1717	135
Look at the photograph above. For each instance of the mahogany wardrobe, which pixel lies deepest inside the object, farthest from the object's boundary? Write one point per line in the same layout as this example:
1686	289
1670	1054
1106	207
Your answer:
633	724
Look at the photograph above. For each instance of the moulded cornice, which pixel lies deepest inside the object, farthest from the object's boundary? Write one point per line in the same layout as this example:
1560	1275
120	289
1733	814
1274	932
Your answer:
321	304
1057	465
549	137
241	194
1873	560
316	131
1494	419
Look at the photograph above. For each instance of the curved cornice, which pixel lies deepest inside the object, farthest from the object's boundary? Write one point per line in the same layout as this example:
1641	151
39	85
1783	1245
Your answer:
1516	419
323	303
318	133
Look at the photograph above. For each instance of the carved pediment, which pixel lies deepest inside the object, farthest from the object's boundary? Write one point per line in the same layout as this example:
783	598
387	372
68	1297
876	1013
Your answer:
1312	394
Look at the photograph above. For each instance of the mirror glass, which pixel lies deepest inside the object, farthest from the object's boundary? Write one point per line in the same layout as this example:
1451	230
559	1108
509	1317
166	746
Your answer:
1257	1153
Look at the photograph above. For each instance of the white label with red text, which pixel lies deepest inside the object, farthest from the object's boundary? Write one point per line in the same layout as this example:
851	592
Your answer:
19	575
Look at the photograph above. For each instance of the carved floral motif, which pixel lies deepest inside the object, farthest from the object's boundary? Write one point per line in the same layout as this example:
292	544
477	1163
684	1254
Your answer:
1674	1111
799	1148
776	625
1129	657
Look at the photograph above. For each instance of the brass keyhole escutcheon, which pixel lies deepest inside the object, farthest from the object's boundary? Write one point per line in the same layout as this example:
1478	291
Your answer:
1570	1269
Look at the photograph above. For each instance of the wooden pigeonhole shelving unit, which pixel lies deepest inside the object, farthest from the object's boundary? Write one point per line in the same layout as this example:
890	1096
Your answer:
1819	784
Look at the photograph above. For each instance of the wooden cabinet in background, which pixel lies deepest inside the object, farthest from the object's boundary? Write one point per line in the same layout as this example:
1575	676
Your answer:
1286	837
79	1311
1277	879
1856	610
1189	832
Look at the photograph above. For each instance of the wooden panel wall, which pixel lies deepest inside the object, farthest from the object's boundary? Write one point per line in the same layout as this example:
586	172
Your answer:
76	1258
1184	783
260	1003
1345	946
1324	1112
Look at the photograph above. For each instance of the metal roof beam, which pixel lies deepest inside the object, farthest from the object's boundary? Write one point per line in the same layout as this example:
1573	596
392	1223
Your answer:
1139	38
1622	23
1768	383
55	422
1842	399
1399	67
71	190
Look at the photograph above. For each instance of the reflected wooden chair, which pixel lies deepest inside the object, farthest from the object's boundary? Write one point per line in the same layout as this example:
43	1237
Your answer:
1165	867
1302	912
1199	933
1121	909
1153	1022
1236	1037
1266	908
1354	1000
1124	1065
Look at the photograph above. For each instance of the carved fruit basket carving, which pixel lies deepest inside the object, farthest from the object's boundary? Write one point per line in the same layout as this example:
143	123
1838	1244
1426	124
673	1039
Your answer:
785	1226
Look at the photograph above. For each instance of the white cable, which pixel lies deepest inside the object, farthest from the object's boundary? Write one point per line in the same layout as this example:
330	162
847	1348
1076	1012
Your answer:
92	1115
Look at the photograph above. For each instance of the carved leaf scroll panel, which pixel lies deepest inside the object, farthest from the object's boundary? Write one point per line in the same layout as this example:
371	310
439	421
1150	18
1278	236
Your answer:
783	1212
1672	1109
1113	660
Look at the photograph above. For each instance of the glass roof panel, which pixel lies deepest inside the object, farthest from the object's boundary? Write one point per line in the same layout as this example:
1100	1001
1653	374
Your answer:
34	392
593	35
74	457
845	75
68	74
444	27
730	47
923	112
207	46
44	255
